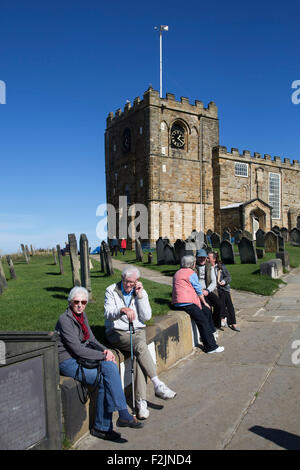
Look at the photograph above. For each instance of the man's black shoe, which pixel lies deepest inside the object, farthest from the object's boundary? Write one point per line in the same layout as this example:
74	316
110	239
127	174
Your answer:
107	435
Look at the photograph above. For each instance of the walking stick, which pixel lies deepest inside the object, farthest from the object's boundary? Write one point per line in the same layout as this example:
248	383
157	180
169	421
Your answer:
131	329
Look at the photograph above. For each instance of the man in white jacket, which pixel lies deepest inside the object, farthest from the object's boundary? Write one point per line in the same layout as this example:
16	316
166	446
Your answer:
127	302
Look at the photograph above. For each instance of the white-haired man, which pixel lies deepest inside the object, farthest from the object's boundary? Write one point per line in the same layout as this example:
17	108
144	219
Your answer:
127	302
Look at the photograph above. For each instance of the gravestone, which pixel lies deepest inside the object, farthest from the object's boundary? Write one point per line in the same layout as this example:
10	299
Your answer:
275	229
271	242
215	240
247	234
107	259
260	238
30	404
3	280
75	263
32	251
226	235
226	252
60	261
295	237
272	268
247	251
54	255
27	252
138	250
24	253
85	264
11	267
284	256
260	253
280	242
169	254
179	248
160	251
284	233
102	262
237	236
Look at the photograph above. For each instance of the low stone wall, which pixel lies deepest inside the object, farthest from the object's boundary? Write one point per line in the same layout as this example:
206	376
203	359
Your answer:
170	339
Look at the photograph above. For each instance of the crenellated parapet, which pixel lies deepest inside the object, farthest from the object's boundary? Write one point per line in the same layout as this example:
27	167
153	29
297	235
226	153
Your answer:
151	97
245	156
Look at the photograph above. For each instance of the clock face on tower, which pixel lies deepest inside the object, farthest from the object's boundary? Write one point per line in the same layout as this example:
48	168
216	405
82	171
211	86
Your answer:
177	137
126	140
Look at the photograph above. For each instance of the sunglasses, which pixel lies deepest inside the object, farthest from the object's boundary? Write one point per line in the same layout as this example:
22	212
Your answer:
83	302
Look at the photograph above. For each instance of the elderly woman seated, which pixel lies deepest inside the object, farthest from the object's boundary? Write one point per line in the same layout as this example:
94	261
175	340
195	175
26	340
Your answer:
75	336
187	295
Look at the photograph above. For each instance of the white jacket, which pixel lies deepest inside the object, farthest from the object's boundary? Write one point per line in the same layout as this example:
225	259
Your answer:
114	301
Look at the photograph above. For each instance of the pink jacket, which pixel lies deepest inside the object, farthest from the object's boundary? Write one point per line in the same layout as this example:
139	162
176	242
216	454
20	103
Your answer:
183	291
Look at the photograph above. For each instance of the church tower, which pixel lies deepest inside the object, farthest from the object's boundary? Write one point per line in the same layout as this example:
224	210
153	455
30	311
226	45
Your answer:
158	152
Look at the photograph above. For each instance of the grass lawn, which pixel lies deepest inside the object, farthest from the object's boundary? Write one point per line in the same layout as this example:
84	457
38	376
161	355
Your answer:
39	295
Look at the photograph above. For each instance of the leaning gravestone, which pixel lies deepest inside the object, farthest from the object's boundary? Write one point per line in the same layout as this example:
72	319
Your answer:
60	261
107	259
160	251
226	252
138	250
85	264
260	238
295	237
271	242
24	253
169	254
11	267
247	251
215	240
75	263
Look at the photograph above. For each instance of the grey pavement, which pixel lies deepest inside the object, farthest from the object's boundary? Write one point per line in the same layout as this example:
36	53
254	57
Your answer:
246	398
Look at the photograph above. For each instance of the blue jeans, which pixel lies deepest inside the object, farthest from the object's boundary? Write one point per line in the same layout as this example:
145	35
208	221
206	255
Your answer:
110	395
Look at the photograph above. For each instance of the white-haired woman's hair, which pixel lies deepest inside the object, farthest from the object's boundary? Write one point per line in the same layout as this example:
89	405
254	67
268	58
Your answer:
78	290
129	271
187	261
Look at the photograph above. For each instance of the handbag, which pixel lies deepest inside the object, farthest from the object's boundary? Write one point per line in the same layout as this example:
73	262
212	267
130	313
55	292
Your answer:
88	364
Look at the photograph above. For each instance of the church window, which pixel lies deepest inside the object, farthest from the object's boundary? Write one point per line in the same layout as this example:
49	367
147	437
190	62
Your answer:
274	194
241	169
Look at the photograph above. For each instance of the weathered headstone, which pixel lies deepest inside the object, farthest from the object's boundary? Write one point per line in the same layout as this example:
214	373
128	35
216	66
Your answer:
60	261
284	256
215	240
27	252
284	233
272	268
260	238
247	234
75	263
275	229
24	253
160	251
179	248
85	264
280	242
295	237
138	250
3	280
107	259
102	262
237	236
54	255
226	235
226	252
247	251
11	267
260	253
169	254
271	242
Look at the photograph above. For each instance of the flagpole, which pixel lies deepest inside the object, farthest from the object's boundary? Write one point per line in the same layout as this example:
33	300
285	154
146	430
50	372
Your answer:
161	28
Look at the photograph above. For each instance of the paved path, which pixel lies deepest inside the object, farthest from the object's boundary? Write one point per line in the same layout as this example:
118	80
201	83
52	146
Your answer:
244	398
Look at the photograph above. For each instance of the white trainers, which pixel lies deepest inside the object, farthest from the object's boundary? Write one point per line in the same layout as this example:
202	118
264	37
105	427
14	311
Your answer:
217	350
142	410
163	391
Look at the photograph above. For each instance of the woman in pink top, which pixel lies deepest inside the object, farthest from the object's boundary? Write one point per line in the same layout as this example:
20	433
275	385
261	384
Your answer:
187	295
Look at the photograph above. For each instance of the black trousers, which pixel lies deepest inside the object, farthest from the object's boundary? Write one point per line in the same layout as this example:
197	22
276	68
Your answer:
216	304
227	306
203	319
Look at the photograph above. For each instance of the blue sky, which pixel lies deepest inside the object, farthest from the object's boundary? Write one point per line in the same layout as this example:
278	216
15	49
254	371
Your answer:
67	64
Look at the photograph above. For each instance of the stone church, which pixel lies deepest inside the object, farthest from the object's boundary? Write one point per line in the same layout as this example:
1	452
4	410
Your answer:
165	154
